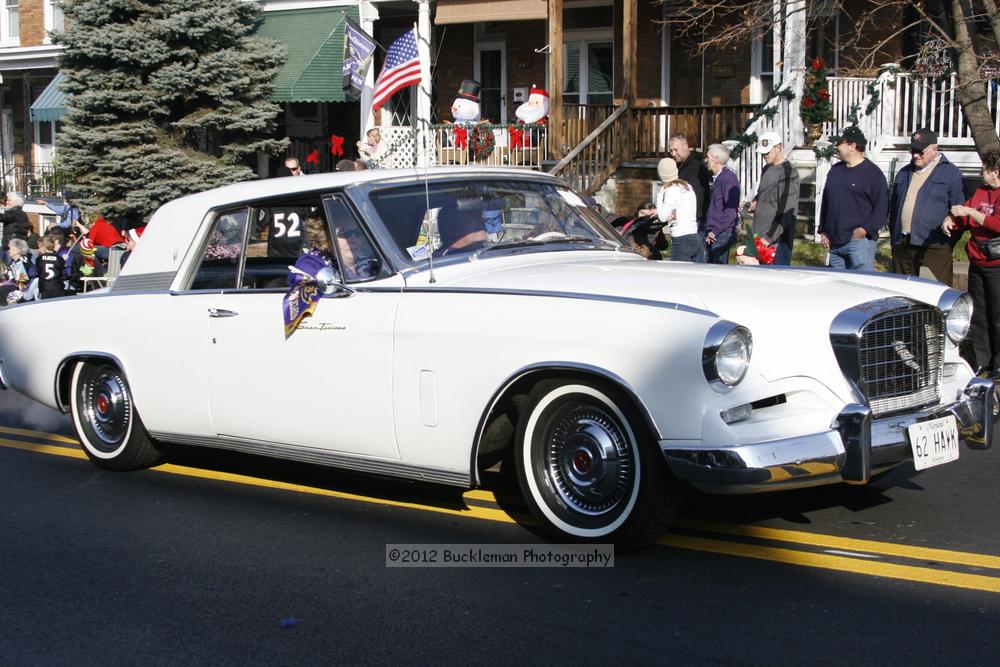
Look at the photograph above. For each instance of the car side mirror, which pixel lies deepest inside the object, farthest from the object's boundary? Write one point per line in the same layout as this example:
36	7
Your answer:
327	280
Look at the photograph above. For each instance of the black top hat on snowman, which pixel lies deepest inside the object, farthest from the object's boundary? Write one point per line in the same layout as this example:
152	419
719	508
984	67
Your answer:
469	90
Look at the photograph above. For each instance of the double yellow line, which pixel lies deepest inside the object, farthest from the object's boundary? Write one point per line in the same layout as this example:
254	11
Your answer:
817	550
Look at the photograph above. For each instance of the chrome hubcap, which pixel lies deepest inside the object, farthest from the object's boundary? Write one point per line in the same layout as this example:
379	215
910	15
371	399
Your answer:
107	408
589	460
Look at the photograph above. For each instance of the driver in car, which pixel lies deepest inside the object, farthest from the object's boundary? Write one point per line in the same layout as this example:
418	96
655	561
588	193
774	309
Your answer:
461	231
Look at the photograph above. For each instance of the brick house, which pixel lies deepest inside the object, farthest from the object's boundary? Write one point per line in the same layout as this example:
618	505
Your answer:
28	64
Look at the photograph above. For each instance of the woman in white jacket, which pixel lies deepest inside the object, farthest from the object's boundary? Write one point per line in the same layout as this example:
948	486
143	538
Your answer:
676	205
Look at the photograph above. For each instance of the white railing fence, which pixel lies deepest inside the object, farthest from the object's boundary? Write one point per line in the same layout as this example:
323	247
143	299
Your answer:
522	146
906	103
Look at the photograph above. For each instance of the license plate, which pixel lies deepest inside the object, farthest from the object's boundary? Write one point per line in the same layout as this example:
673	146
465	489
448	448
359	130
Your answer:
934	442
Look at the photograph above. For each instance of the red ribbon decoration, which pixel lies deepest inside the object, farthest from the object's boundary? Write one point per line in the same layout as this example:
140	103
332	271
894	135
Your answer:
516	136
313	158
336	145
461	137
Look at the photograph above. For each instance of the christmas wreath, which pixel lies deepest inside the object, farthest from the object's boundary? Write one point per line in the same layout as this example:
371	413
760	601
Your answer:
481	142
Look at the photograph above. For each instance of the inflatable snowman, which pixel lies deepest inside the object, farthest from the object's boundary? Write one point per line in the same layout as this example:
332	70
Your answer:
468	133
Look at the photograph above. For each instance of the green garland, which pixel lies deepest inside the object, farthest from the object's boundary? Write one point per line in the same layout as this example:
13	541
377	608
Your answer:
827	153
763	111
873	94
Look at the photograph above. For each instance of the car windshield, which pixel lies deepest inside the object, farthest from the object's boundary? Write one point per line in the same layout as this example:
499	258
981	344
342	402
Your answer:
469	218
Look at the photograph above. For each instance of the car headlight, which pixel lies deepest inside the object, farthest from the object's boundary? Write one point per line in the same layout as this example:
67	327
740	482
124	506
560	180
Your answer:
726	355
957	316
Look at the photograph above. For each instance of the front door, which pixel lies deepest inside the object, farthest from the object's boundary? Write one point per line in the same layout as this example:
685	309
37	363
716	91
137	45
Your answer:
492	76
327	385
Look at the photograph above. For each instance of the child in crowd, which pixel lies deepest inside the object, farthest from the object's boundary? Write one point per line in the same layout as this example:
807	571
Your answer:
368	148
86	265
51	270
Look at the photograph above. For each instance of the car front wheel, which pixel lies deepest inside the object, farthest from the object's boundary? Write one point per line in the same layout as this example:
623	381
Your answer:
106	420
588	468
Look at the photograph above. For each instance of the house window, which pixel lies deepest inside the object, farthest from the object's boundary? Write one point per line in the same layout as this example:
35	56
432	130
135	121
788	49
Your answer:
10	25
588	72
54	19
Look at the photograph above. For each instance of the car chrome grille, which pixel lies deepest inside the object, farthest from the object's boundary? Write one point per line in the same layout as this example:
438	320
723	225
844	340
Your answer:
900	358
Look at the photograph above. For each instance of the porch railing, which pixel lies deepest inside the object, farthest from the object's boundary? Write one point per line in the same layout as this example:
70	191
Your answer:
905	104
579	120
702	124
37	180
595	159
517	146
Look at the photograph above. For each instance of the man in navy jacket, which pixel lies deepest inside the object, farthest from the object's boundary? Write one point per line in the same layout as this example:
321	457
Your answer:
854	205
922	195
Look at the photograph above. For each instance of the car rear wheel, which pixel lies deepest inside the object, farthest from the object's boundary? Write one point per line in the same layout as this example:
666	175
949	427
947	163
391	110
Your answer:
588	468
106	420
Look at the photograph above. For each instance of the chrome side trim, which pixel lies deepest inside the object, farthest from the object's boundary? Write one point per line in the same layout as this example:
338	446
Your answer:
75	356
320	457
560	295
143	282
554	366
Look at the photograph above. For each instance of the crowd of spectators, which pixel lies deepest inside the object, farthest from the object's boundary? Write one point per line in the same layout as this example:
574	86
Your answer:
58	263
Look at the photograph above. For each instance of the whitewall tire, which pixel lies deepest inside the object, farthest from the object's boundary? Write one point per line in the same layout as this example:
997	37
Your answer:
106	420
588	468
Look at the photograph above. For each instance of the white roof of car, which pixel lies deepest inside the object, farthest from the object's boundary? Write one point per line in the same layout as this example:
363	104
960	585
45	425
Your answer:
174	226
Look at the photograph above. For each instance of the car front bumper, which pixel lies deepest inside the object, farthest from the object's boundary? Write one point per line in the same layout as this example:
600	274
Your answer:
853	448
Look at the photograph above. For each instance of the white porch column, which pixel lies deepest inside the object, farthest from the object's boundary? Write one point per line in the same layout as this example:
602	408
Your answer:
424	89
368	14
794	64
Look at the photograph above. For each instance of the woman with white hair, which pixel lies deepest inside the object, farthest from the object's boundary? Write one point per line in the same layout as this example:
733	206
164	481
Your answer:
677	205
723	206
14	220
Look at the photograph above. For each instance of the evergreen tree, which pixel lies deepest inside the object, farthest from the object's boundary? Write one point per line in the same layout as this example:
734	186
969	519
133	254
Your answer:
166	98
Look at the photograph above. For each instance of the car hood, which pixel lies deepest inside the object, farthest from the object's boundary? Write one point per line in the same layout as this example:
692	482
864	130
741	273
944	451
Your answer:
788	311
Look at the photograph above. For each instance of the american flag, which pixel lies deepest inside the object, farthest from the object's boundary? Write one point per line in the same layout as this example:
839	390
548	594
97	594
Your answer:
401	68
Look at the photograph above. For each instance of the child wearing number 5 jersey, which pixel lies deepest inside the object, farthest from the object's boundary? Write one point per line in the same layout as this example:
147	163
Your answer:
50	270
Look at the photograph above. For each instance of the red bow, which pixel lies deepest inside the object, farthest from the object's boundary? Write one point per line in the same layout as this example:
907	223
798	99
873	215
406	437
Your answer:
313	158
336	145
461	137
517	137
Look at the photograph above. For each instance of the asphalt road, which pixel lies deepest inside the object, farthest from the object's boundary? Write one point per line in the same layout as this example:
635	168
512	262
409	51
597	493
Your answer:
233	559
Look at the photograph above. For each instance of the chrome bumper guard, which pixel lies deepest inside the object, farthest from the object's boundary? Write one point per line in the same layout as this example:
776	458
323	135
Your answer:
855	446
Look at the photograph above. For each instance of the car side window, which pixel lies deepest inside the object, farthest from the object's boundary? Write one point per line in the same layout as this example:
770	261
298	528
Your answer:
279	234
220	261
356	254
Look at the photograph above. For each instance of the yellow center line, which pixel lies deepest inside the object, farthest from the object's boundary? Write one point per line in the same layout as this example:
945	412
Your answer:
55	437
849	543
839	563
486	513
775	554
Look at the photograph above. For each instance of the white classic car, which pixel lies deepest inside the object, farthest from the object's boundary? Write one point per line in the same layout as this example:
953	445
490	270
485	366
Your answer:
462	315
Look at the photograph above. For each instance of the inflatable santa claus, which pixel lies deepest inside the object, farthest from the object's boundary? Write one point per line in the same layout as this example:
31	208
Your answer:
533	112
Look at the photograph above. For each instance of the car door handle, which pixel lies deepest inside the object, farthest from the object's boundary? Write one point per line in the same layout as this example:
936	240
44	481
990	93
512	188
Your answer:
219	312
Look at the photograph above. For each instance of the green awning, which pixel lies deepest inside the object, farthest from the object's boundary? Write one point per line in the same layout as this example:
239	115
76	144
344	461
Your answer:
51	104
314	39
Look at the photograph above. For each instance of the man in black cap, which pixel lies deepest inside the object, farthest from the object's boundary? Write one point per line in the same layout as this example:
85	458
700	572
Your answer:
854	205
923	192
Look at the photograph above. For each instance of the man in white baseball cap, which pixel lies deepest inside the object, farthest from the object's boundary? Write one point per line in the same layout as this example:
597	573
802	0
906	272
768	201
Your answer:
776	203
